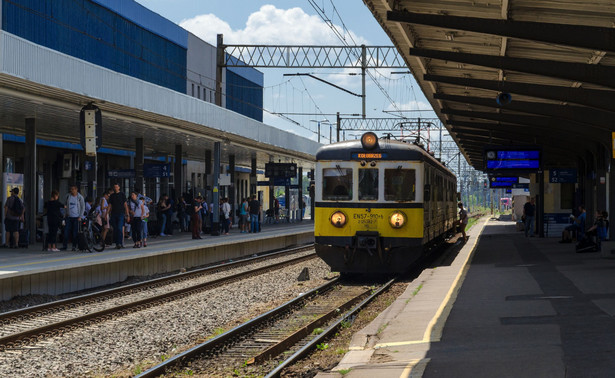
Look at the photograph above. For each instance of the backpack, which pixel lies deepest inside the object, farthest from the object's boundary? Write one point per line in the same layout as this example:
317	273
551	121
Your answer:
190	209
17	206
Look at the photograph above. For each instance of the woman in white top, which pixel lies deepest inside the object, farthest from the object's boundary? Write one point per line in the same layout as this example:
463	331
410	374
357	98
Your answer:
135	206
104	212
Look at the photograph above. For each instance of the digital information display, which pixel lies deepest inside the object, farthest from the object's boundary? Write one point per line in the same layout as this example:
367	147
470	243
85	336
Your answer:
502	181
515	159
369	155
280	170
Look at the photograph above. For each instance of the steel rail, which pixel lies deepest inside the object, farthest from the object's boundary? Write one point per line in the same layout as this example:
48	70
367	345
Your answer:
88	298
231	334
328	332
303	332
137	305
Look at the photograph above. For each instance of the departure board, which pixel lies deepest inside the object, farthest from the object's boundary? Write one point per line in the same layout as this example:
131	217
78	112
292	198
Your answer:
516	159
503	181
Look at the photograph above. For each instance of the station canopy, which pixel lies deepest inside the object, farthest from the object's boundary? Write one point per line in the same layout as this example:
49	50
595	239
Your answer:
512	72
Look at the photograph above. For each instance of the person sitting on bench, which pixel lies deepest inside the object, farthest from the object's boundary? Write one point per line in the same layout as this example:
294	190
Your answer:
577	226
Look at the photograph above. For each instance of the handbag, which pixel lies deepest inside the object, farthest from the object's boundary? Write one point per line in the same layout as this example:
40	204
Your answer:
523	218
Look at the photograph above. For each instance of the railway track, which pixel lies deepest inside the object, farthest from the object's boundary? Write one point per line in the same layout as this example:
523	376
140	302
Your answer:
280	336
24	326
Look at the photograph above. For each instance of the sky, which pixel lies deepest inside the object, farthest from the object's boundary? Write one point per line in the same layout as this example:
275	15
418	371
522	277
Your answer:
303	100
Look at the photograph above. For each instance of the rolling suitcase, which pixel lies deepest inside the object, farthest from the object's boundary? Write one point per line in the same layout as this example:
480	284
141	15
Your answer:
24	238
82	243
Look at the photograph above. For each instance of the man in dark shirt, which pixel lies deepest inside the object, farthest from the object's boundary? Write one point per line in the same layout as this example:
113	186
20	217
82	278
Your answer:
118	208
13	216
255	209
529	211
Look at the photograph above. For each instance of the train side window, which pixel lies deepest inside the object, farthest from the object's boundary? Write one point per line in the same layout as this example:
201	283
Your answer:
368	184
337	184
399	184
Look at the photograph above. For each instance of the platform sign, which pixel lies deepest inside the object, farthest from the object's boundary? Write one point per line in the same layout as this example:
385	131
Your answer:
280	170
156	170
512	159
121	173
563	176
90	122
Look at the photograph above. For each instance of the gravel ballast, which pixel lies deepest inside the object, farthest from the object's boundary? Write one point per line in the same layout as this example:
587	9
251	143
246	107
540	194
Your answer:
129	344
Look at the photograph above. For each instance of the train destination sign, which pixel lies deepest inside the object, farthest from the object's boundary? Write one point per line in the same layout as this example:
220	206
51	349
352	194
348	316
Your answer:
368	155
503	159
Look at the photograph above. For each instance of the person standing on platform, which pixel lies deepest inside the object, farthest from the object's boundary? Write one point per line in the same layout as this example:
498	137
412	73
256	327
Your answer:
104	213
118	208
182	216
168	230
54	218
14	210
194	210
88	206
226	212
529	212
243	215
276	210
163	208
463	220
75	207
255	209
203	215
136	211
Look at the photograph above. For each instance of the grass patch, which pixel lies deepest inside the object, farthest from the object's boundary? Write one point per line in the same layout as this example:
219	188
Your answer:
416	291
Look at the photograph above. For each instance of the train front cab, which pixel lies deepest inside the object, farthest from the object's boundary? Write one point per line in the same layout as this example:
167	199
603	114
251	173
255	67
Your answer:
369	217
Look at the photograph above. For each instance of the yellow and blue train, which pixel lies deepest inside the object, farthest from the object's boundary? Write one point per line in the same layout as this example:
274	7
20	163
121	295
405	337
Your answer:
379	204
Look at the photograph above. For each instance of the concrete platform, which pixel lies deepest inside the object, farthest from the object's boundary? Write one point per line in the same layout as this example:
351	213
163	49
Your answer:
508	306
32	271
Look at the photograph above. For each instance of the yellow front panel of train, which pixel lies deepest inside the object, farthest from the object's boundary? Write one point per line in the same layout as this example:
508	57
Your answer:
359	219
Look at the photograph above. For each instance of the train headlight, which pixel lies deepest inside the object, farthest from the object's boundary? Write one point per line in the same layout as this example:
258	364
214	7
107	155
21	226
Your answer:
369	140
338	219
397	219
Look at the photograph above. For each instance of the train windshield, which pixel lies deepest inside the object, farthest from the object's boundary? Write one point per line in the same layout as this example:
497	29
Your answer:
399	184
337	184
368	184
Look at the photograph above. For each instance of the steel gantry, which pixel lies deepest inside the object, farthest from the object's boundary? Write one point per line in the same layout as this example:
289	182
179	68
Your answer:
297	56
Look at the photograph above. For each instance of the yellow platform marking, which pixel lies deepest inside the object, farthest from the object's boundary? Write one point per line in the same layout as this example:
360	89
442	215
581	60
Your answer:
415	368
436	325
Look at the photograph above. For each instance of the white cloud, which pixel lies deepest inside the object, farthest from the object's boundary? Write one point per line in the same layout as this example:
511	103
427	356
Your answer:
269	25
411	105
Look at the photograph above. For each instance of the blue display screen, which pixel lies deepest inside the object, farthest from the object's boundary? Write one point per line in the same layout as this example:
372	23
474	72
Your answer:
513	164
500	184
505	179
525	155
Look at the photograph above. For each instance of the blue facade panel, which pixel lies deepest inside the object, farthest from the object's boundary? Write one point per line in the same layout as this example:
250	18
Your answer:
244	96
147	19
252	74
89	31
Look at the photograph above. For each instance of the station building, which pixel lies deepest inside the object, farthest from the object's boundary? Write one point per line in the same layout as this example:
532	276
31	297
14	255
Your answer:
155	85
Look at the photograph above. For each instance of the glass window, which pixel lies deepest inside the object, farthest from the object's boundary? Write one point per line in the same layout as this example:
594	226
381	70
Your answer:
337	184
368	184
399	184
